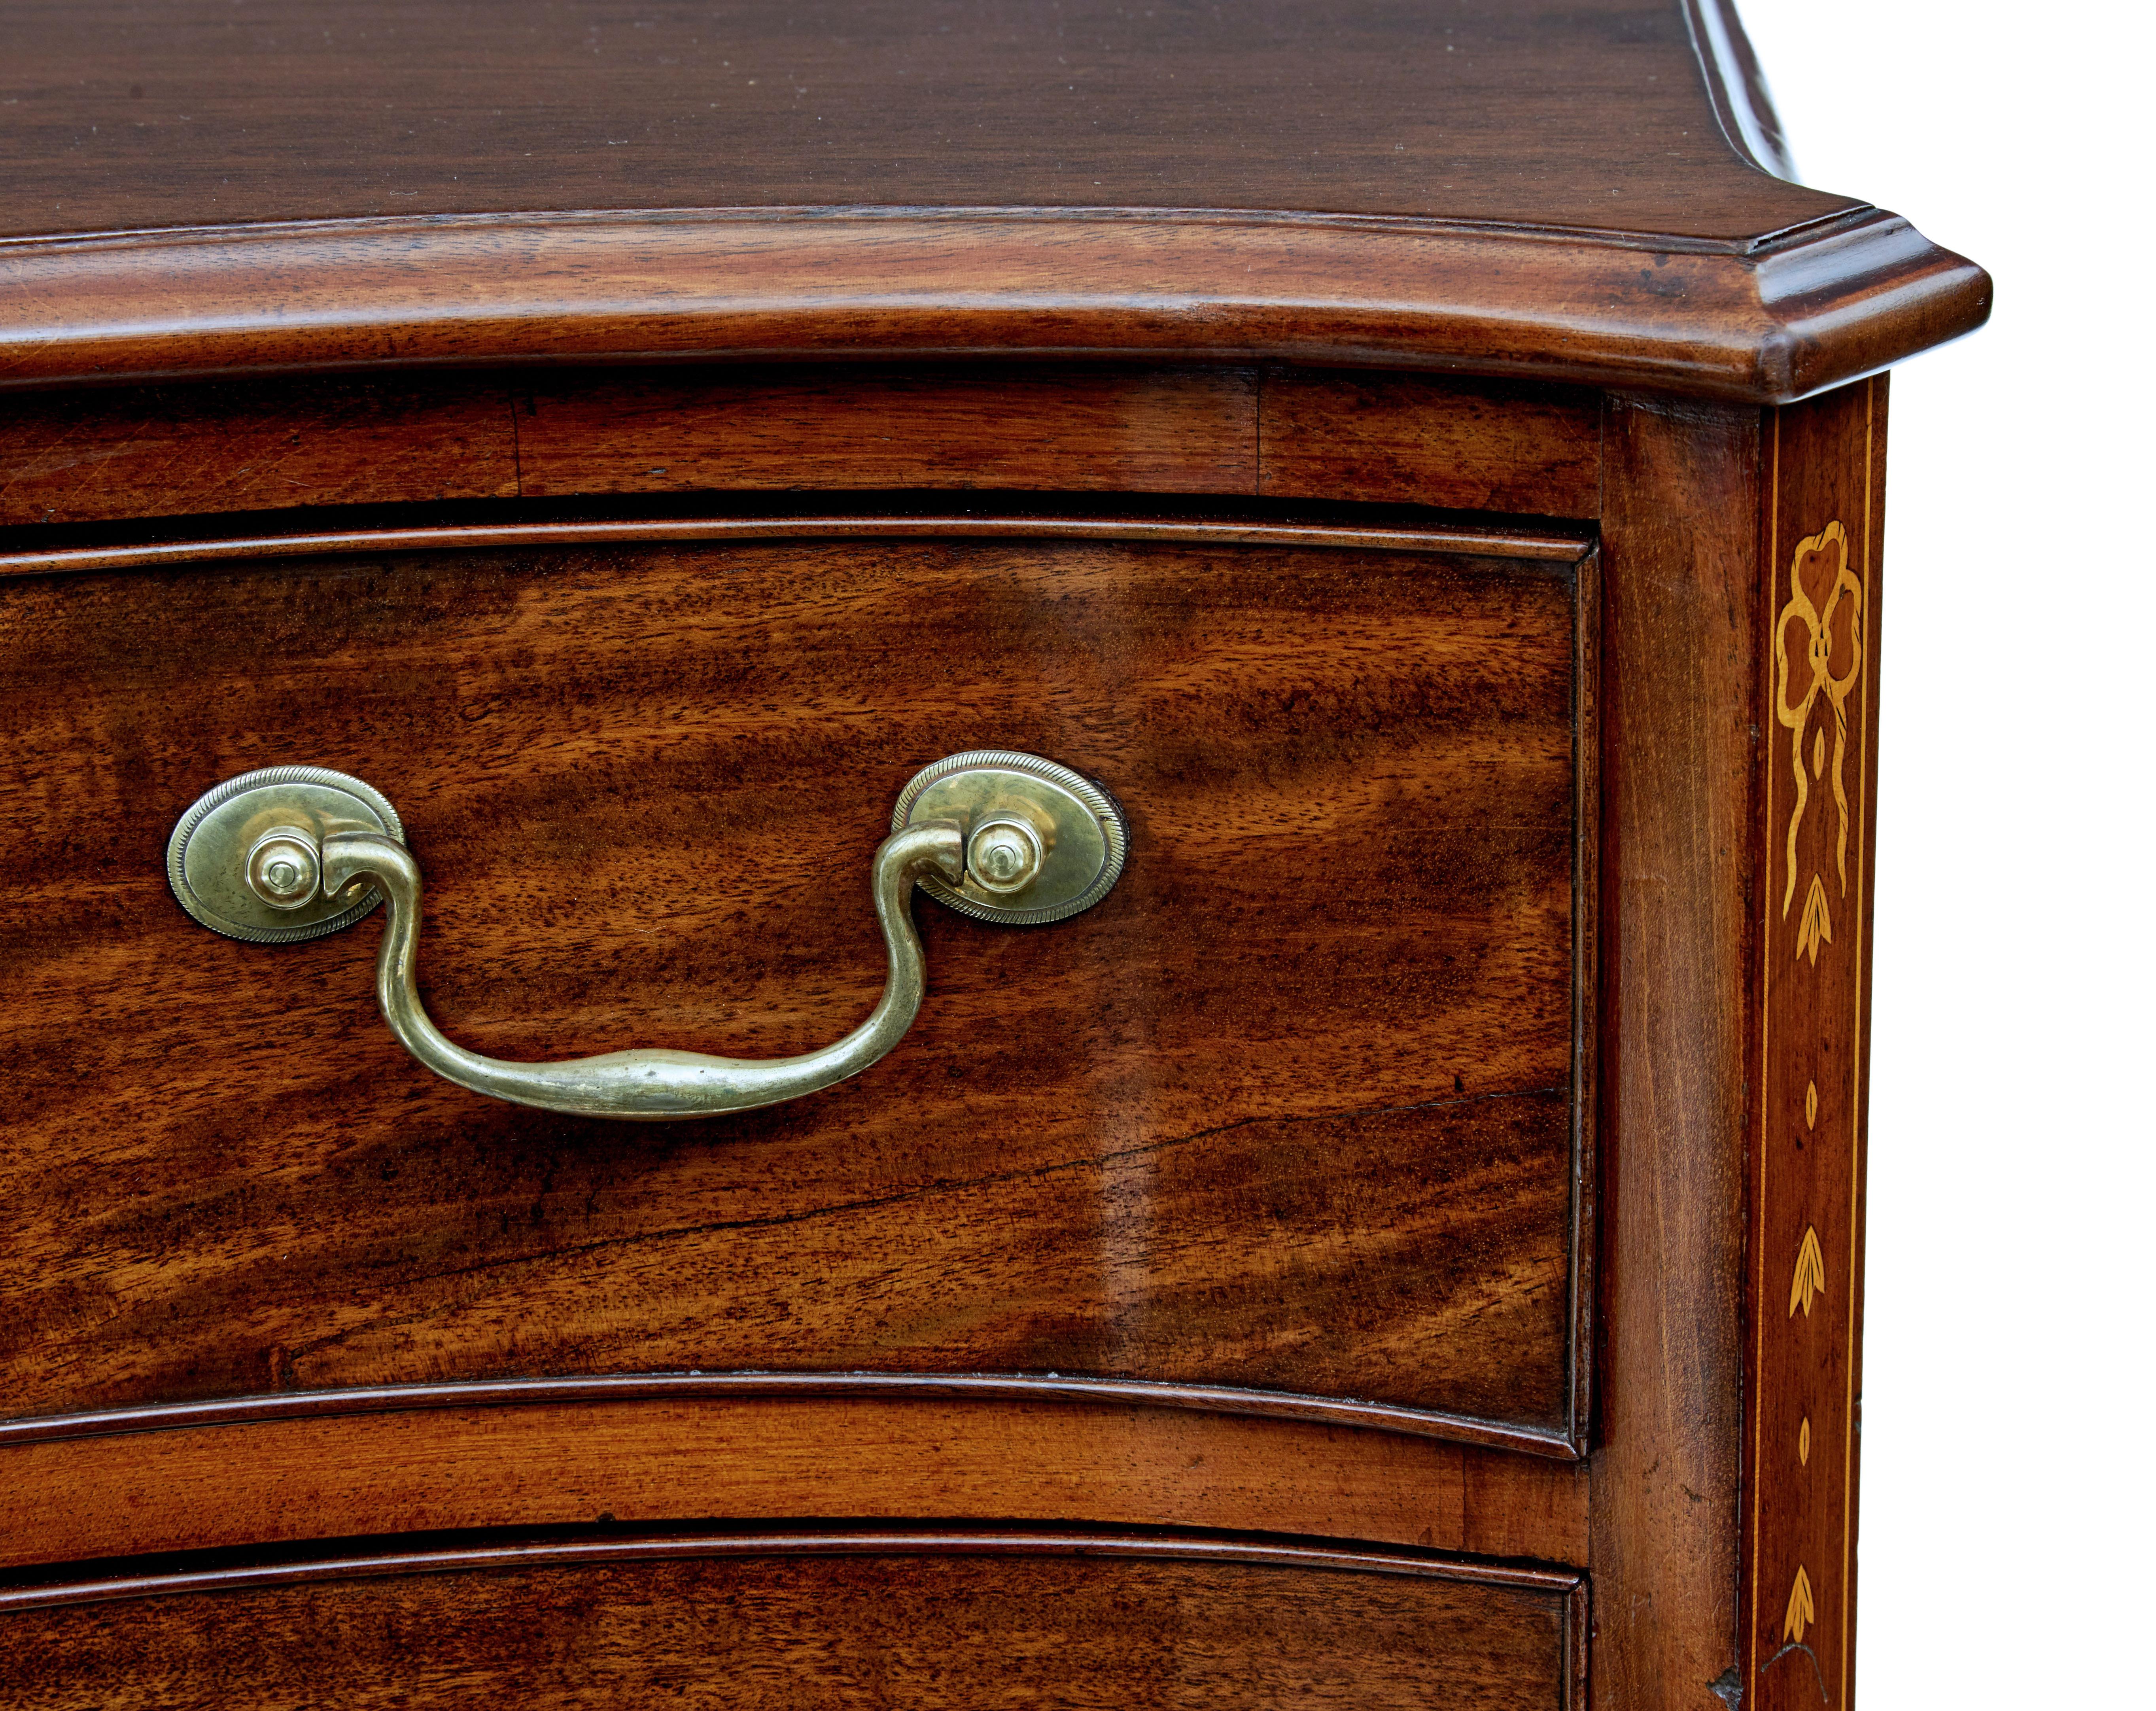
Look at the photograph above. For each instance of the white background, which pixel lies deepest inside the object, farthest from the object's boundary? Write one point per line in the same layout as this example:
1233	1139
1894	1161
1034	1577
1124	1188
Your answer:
2007	1511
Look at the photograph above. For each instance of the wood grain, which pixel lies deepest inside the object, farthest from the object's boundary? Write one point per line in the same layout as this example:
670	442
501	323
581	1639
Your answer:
177	451
1413	440
115	453
1826	471
1596	118
1414	1099
1681	722
1130	430
810	1621
270	1478
1304	1126
1765	322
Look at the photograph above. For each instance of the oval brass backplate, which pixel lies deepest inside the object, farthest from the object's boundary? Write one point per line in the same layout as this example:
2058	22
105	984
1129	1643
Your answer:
231	829
1042	842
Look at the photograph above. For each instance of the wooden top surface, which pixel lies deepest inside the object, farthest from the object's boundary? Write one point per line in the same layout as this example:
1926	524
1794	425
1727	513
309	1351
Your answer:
1103	177
118	114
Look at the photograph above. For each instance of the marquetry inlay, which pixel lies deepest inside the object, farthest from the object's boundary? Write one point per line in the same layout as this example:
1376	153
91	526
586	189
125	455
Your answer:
1818	656
1817	668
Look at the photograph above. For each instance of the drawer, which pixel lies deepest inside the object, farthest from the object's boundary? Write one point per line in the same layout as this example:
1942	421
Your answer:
816	1620
1293	1119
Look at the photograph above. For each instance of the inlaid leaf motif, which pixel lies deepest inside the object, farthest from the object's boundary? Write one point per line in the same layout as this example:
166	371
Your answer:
1810	1277
1800	1613
1817	927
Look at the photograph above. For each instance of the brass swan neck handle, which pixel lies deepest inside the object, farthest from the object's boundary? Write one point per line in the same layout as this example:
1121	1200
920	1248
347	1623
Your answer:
293	852
647	1084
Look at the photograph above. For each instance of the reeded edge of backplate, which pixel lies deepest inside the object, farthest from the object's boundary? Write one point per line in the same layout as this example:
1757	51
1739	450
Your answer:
362	794
1106	812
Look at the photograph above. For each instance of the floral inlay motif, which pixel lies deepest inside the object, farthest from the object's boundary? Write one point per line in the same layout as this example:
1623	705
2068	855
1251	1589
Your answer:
1818	657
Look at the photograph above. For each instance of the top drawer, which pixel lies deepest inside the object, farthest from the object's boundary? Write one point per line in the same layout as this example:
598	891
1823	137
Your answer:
1296	1110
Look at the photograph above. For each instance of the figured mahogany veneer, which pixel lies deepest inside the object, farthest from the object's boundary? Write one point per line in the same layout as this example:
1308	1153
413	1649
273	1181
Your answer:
1121	1149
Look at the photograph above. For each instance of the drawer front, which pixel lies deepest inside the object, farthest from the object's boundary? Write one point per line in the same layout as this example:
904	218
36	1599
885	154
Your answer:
859	1622
1296	1109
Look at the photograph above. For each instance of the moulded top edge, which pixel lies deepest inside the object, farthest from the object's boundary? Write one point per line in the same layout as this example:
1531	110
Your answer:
1813	307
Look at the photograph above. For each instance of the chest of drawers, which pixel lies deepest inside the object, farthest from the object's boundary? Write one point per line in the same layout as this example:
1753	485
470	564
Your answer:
1363	1201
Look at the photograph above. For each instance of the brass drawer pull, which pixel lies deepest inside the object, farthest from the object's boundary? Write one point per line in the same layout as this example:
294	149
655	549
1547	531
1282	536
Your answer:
291	853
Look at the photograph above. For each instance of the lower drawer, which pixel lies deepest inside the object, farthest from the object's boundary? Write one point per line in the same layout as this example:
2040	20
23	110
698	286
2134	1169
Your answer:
880	1620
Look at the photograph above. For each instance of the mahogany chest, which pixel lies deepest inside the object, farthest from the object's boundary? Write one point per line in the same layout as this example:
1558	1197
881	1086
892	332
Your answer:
1231	655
